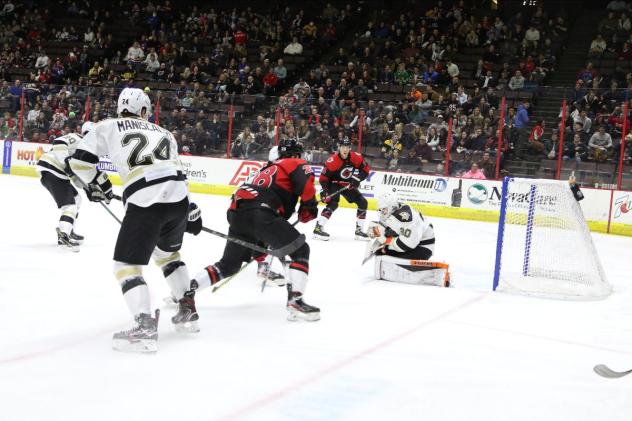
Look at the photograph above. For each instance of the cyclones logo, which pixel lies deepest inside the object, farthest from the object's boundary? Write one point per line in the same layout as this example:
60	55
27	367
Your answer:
245	170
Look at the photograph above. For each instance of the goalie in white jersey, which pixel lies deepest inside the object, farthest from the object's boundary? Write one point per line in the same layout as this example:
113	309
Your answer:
55	176
403	244
157	213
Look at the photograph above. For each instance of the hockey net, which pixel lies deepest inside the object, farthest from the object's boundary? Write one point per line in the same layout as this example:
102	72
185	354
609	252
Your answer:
544	247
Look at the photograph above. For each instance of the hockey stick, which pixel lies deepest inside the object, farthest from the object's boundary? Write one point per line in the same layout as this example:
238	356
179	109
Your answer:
330	196
106	207
606	372
280	252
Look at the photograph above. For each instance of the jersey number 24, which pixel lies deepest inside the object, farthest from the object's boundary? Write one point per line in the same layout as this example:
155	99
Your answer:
140	142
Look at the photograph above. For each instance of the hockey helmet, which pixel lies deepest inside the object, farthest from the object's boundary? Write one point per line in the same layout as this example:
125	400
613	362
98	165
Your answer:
387	203
132	101
273	155
86	127
345	142
290	148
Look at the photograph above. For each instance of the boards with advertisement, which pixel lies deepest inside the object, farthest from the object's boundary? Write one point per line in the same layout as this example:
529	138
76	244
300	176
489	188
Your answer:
24	157
621	213
414	188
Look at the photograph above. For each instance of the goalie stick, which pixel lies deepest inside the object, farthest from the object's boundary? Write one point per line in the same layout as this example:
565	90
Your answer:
608	373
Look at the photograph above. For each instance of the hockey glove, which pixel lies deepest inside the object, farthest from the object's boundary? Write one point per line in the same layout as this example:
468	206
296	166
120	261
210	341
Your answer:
308	211
355	179
100	190
324	196
194	222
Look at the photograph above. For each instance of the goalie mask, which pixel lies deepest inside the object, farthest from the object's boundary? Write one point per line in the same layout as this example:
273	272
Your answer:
132	101
387	203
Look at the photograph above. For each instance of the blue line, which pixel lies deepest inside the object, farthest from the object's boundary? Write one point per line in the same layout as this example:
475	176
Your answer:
527	245
501	230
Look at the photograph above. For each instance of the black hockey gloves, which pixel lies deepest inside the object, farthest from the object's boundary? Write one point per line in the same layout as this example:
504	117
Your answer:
308	211
194	222
100	190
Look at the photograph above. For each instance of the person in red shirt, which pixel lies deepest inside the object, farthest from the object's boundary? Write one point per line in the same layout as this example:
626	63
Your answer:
343	170
259	213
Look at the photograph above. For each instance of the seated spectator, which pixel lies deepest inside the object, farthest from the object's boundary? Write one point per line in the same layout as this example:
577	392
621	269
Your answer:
575	150
390	144
151	62
488	166
474	173
551	146
531	38
517	81
600	145
536	144
597	46
422	152
294	48
135	55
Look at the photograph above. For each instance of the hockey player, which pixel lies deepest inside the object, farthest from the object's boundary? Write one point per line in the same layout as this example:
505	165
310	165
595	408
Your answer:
56	178
157	211
258	214
403	238
343	170
264	262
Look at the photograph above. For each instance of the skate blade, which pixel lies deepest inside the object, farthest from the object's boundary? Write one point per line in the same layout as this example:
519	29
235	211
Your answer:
188	327
320	237
296	316
170	300
74	249
141	346
360	238
277	282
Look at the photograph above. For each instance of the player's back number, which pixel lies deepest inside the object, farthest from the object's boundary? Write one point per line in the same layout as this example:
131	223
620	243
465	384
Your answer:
139	141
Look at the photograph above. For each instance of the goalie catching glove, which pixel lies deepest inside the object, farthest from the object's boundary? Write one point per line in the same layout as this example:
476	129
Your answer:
100	190
194	222
308	211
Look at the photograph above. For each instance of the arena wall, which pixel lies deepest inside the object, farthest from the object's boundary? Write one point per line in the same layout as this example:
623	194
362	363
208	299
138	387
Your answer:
607	211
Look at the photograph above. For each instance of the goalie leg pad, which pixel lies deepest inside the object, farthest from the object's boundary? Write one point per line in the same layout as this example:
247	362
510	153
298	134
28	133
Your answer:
409	271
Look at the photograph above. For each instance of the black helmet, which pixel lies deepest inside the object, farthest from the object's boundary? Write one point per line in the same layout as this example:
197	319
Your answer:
290	148
345	142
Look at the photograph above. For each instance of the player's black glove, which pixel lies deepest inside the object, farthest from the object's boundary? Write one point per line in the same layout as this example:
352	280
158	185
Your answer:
308	211
325	197
355	180
100	190
194	222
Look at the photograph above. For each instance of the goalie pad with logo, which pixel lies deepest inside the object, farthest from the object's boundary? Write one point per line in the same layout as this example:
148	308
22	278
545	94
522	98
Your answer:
409	271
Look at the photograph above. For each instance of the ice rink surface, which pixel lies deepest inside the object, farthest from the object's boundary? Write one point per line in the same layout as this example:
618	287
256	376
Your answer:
382	351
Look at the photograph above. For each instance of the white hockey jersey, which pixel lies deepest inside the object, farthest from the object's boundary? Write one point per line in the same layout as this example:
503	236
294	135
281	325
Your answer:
409	230
145	156
53	161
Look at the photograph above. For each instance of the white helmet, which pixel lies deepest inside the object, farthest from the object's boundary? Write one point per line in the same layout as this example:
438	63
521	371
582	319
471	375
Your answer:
86	127
133	100
273	155
387	203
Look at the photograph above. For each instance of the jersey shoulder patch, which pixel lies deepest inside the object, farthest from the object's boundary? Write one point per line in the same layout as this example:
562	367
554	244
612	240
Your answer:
404	214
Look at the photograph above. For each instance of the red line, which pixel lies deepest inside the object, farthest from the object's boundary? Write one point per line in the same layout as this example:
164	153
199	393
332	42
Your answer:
274	396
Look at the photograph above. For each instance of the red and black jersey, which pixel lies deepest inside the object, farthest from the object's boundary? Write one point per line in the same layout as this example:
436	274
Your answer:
278	186
339	171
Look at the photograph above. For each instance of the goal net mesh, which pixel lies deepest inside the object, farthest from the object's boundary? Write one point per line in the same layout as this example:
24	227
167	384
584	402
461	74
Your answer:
544	247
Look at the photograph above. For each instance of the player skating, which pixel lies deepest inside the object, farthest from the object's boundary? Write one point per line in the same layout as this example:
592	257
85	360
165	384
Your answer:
403	244
343	170
56	178
157	212
258	214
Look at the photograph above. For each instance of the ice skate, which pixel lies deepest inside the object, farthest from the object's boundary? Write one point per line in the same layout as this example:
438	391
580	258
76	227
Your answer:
360	235
65	241
267	275
320	234
76	237
141	338
299	309
186	319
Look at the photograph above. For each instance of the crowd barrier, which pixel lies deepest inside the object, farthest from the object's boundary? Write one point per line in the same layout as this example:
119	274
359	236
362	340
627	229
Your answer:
607	211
